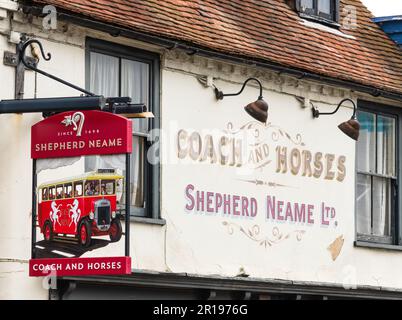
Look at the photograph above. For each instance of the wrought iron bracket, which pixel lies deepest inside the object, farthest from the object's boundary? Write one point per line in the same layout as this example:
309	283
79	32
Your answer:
220	95
11	59
23	45
51	106
316	113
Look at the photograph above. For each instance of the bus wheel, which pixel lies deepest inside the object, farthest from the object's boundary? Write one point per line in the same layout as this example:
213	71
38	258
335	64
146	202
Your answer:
115	230
85	233
47	231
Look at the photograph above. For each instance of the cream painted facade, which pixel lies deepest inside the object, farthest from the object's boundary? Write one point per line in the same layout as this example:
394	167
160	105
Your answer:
201	242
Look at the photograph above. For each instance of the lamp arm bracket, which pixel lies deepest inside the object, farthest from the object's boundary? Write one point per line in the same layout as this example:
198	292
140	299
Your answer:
220	95
317	113
23	45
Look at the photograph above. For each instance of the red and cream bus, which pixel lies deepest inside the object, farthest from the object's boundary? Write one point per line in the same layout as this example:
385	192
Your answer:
83	207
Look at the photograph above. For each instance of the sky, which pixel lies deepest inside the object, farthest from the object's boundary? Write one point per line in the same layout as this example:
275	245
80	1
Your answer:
381	8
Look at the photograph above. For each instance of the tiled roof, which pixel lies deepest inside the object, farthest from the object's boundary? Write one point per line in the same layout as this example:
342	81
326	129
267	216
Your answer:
265	29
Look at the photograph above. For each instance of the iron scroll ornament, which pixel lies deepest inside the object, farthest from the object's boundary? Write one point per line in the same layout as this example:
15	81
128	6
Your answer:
46	57
50	106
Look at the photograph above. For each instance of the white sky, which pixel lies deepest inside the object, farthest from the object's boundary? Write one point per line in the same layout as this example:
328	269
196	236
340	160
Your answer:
381	8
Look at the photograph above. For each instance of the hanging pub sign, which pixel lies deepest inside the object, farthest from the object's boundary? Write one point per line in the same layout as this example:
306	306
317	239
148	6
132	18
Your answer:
81	198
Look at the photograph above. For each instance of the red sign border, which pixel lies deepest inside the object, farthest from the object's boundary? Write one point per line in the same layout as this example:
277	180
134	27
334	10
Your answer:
63	262
44	133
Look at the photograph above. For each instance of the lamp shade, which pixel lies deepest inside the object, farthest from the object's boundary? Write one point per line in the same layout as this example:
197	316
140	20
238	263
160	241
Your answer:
258	110
351	128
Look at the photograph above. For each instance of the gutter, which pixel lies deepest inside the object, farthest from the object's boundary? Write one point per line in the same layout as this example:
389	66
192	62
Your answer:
191	49
174	281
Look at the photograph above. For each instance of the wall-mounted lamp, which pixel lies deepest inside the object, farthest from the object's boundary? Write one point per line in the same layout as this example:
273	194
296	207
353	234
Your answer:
351	127
257	109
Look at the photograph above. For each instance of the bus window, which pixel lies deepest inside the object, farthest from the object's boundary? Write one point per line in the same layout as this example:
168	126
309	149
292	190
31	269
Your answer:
68	190
59	191
52	193
119	190
107	187
92	188
78	189
44	194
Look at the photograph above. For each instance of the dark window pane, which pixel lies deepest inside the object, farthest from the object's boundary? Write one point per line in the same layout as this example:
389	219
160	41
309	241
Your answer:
363	204
92	188
107	187
68	190
137	186
386	145
324	6
306	4
135	80
78	188
137	172
104	75
44	194
366	142
59	192
52	193
381	206
135	84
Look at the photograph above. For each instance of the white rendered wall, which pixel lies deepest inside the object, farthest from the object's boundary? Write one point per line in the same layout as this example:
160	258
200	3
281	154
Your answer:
198	243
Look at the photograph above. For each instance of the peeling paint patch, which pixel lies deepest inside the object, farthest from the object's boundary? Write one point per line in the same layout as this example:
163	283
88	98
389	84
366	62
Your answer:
335	247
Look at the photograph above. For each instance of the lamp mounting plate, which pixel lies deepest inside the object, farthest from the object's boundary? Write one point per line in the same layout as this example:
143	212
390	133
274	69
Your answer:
218	94
316	112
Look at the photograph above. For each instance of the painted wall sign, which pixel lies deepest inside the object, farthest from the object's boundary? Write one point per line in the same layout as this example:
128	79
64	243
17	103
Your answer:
266	156
272	208
79	206
256	146
79	133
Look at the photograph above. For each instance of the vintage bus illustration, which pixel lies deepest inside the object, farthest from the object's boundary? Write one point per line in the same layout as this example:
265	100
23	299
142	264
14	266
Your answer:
81	207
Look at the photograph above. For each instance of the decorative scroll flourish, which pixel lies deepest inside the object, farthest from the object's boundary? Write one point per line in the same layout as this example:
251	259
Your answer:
254	234
248	126
257	129
265	183
279	132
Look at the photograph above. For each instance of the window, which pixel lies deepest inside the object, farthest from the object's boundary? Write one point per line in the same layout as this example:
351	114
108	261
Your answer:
78	189
59	191
52	193
113	71
377	177
107	187
44	194
322	10
68	190
92	188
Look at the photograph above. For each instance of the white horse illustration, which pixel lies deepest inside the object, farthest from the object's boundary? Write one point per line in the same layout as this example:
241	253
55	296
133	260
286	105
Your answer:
75	212
54	214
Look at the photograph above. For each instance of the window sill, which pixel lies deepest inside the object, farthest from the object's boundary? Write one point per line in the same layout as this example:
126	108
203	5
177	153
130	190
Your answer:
377	245
324	21
160	222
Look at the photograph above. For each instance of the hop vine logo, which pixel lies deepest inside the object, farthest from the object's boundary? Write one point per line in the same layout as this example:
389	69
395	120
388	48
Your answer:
76	120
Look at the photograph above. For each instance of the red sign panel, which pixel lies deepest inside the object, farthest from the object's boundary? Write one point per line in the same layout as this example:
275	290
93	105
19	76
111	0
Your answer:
79	266
79	133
